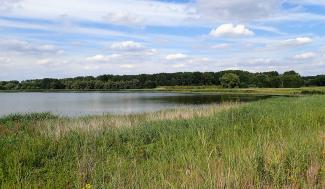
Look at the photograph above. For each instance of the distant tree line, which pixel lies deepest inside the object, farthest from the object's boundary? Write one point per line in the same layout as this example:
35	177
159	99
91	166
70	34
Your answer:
227	79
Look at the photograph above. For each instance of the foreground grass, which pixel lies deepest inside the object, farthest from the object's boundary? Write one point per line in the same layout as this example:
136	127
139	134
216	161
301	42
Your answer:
276	143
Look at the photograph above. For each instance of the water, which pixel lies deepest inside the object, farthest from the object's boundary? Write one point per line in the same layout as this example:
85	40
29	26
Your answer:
79	104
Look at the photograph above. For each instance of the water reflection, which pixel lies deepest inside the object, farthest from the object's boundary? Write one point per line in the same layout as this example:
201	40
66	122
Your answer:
78	104
199	99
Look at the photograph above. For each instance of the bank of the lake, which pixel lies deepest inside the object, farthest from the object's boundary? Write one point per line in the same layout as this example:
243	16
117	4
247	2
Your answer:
273	143
212	89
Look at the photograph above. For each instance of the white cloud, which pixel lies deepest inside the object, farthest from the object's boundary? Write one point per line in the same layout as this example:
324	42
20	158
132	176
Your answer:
44	61
102	58
123	18
306	55
231	30
127	46
178	56
260	61
157	13
179	66
127	66
297	41
89	25
7	5
151	52
22	46
4	60
52	62
238	9
267	29
221	46
309	2
122	12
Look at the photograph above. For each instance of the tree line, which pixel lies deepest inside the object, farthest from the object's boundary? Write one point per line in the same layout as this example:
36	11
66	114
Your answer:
227	79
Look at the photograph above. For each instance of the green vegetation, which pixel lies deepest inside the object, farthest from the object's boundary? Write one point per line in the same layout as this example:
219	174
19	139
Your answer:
244	91
242	79
14	118
230	80
275	143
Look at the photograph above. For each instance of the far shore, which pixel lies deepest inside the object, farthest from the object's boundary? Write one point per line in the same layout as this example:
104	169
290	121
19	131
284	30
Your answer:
193	89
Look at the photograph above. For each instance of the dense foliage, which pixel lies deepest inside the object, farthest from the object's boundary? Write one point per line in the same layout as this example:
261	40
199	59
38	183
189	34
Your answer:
230	80
115	82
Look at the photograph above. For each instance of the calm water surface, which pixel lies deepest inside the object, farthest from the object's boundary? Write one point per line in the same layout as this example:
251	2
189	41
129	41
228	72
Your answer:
79	104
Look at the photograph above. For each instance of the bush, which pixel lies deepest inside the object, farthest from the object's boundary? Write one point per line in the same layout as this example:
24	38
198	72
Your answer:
27	117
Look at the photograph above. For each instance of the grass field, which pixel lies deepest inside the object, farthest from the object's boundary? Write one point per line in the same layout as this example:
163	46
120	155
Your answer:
274	143
245	91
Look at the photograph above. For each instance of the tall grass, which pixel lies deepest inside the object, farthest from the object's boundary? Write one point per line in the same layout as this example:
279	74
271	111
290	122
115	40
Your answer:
275	143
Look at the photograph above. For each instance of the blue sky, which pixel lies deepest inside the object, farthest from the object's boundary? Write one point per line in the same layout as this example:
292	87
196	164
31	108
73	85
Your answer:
57	38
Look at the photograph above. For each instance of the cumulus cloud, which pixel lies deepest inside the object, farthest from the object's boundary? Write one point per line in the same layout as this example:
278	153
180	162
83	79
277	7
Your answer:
297	41
231	30
178	56
127	46
306	55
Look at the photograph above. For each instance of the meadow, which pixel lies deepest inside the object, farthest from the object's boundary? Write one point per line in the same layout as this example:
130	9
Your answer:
273	143
244	91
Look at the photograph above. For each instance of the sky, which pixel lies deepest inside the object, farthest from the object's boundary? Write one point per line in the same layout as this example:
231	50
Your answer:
68	38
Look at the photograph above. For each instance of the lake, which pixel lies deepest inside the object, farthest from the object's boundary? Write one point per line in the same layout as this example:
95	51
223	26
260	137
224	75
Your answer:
97	103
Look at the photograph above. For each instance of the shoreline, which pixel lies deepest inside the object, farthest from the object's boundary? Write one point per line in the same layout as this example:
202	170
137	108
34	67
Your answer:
193	90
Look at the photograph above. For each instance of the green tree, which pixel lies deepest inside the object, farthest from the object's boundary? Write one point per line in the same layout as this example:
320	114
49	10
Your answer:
291	79
230	80
262	80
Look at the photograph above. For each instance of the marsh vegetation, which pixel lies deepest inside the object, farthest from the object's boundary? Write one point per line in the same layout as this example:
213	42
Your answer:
274	143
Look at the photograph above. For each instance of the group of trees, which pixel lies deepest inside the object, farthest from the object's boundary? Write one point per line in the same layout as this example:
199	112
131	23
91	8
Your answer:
228	79
289	79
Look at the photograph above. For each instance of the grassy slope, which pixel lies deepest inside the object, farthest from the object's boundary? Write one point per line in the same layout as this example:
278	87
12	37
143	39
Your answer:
274	143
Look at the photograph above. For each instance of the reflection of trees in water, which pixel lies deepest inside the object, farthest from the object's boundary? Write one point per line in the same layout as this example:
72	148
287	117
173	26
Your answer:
207	99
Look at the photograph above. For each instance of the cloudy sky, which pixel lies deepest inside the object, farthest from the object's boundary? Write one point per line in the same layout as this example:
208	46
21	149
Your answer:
65	38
